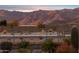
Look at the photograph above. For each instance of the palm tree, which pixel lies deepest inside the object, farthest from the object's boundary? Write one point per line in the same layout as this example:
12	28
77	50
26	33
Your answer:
49	46
42	27
23	46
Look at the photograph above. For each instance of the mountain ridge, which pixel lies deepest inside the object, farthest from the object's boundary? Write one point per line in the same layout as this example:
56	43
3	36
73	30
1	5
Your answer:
41	16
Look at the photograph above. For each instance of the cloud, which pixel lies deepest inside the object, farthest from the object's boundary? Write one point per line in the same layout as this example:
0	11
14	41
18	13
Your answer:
28	8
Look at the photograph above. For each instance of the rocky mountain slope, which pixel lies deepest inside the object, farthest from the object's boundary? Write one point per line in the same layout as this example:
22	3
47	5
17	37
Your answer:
63	16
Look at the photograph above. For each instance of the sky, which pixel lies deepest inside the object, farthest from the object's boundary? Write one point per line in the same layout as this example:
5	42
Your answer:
29	8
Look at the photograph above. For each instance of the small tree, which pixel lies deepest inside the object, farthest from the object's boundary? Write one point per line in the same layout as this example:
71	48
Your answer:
12	24
74	38
68	40
65	47
23	46
3	23
41	26
6	46
49	46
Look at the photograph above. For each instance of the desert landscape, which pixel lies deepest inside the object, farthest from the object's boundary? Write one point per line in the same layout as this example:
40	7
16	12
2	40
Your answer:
42	30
